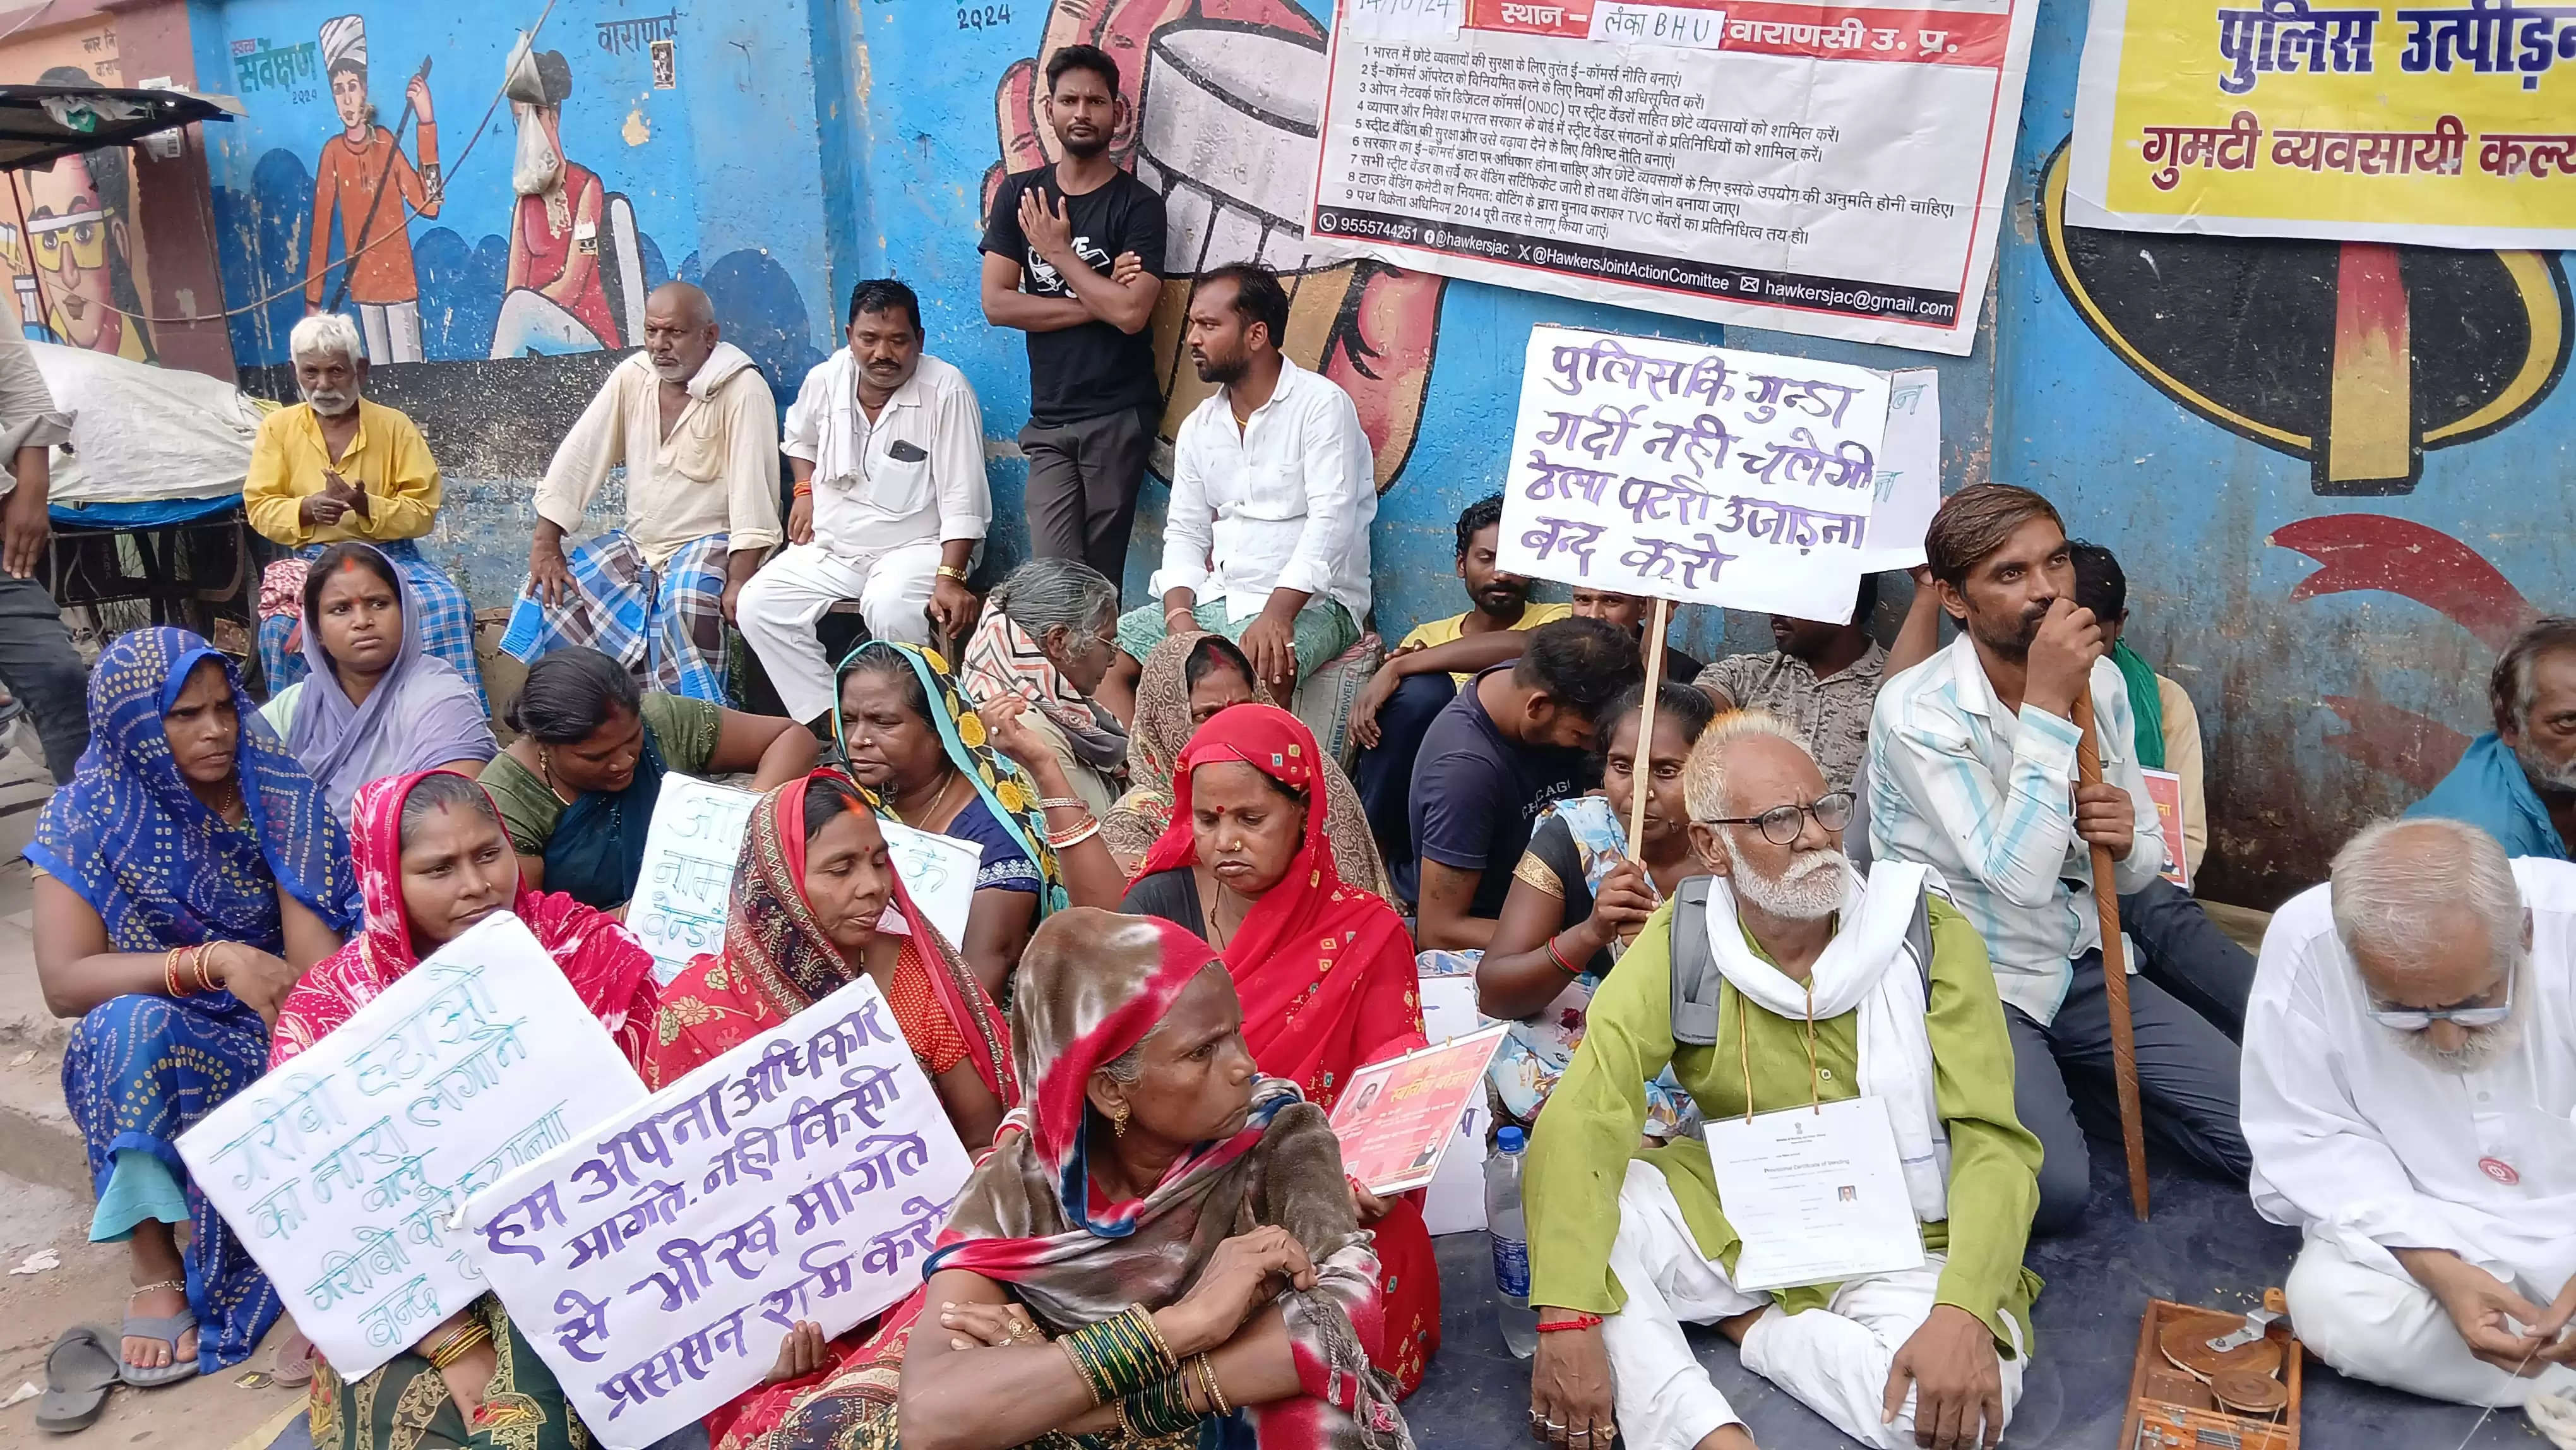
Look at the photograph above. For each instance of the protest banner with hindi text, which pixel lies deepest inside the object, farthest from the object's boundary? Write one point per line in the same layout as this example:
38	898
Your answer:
342	1169
686	880
2443	124
1671	470
1835	170
658	1259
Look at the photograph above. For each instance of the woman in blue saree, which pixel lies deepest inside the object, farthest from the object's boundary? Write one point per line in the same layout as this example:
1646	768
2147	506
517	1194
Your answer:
924	759
187	875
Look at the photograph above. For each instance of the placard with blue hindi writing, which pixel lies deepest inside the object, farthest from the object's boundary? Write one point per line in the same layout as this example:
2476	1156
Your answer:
343	1169
1699	474
657	1260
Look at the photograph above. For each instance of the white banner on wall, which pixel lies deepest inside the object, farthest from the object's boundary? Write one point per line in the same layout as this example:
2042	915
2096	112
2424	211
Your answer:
657	1260
342	1169
1699	474
1833	170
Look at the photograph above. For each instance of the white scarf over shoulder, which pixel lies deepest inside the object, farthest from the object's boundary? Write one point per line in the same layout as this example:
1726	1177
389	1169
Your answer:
1867	967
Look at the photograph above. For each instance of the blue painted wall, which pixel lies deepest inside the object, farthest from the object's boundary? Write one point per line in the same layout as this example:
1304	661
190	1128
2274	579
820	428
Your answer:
806	146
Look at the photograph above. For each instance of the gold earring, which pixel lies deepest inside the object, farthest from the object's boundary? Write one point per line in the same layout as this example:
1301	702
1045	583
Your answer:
1118	1120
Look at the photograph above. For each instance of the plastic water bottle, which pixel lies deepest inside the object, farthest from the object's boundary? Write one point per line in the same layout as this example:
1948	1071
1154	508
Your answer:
1503	1225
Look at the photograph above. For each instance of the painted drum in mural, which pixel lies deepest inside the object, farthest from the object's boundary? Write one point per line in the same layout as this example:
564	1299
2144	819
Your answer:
2356	356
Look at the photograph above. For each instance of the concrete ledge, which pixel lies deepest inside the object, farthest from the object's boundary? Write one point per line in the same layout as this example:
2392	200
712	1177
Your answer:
38	1140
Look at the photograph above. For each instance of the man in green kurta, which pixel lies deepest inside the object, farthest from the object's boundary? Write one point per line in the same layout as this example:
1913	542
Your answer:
1824	988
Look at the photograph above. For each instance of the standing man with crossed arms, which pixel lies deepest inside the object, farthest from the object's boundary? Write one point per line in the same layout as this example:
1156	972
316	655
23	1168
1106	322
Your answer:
1073	256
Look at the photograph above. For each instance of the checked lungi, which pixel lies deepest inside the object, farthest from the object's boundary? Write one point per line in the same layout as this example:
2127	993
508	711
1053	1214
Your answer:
446	615
666	625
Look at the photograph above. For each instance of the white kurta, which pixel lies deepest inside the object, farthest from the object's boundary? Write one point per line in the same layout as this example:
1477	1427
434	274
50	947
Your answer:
2367	1148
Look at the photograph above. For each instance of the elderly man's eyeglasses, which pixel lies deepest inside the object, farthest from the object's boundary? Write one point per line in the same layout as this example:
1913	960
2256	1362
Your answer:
2416	1019
1781	824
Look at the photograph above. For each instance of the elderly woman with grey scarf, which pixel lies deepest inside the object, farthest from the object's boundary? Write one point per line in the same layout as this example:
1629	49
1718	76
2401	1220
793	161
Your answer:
1048	634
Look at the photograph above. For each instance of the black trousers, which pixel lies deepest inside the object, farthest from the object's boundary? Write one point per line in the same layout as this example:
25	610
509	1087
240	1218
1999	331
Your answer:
1083	478
2062	1079
44	672
1384	773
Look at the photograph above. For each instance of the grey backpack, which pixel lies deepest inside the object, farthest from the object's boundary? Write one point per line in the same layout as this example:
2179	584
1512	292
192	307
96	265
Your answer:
1696	978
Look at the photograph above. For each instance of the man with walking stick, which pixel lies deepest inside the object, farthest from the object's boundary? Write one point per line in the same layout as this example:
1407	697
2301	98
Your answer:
1973	770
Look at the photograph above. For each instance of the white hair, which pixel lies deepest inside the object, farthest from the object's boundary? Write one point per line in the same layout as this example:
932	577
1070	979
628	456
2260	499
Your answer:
326	334
1704	774
2394	883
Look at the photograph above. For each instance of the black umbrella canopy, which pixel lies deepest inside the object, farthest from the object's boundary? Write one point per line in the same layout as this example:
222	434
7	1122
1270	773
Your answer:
40	123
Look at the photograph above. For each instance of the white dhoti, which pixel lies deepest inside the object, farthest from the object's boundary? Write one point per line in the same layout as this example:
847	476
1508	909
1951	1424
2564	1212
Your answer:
778	608
2372	1321
1833	1360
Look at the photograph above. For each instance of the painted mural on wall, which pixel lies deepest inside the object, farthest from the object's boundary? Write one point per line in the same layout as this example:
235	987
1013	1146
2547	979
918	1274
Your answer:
366	187
68	239
1222	105
538	236
2355	356
2335	472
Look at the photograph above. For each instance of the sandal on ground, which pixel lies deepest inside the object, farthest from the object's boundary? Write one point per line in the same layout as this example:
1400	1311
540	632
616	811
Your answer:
79	1370
167	1329
291	1363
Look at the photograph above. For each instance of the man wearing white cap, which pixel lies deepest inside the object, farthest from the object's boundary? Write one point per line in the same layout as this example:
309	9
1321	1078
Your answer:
349	177
2410	1078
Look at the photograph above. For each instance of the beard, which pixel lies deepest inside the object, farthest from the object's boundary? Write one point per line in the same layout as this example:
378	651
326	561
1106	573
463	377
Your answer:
331	402
1085	148
2010	640
1809	888
2559	776
1222	372
538	167
2484	1046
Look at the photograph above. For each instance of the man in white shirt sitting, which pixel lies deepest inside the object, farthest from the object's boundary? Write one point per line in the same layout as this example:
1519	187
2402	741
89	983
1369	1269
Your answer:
2410	1072
887	445
692	421
1267	538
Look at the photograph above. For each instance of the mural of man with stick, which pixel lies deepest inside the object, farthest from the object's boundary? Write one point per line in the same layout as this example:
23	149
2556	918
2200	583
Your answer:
556	301
350	180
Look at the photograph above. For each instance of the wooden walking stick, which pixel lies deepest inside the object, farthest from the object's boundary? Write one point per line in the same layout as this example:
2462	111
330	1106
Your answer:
2115	965
1641	771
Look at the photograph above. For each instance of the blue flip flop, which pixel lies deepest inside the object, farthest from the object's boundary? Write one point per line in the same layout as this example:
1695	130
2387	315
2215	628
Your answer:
167	1329
79	1371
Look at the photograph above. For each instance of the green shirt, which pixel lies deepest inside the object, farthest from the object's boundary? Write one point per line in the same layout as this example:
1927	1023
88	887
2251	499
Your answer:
684	730
1579	1154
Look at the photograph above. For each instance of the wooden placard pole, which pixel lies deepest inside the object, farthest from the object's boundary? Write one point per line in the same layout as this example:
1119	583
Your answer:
1641	771
2115	966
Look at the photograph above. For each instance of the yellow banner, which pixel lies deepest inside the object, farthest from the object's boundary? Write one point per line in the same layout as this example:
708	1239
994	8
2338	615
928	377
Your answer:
2450	122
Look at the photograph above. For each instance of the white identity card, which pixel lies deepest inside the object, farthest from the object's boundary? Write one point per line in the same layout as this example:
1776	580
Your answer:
1818	1194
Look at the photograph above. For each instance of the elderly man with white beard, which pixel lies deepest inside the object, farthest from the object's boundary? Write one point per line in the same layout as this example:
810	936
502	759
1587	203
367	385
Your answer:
2410	1077
1808	1012
335	467
693	422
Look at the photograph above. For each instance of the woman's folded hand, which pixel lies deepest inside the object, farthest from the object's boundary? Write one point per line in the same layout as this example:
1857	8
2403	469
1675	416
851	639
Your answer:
1244	1274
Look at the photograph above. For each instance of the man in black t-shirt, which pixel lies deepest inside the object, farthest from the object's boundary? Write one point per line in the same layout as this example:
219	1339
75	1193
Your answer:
1515	739
1073	256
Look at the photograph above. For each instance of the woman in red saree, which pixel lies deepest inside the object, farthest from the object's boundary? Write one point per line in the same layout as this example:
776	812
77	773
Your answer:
1324	968
432	860
813	883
